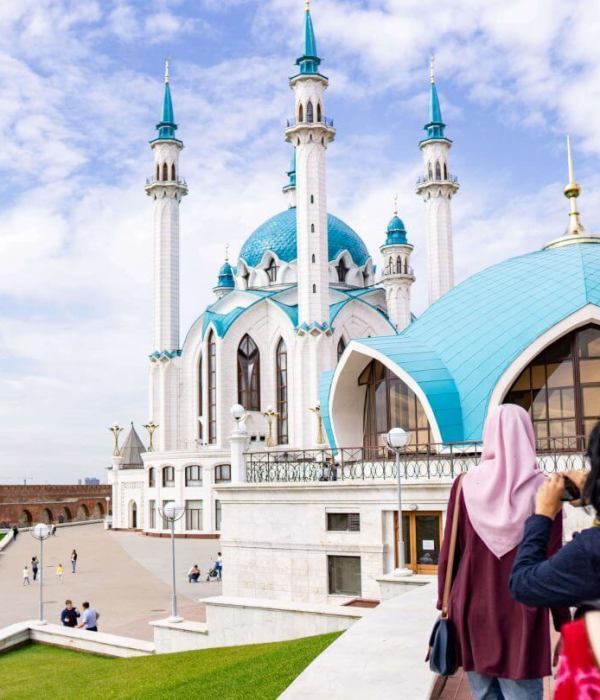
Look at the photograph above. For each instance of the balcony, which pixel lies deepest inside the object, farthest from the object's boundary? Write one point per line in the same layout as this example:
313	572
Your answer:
398	270
433	461
156	181
425	180
325	121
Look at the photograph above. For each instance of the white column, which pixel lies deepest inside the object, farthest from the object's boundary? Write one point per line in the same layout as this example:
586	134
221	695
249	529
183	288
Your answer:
238	442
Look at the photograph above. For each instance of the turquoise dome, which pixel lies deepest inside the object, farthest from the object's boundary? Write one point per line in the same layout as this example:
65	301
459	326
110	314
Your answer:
460	347
396	233
278	234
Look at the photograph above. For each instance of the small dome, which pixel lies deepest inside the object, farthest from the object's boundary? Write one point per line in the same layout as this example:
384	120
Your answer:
278	234
396	233
226	276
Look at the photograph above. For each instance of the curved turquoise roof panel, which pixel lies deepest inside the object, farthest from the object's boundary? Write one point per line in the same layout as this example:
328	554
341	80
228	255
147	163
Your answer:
476	330
278	234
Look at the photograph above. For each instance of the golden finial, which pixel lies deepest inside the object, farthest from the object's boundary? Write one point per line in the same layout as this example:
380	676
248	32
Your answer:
307	5
396	204
432	68
166	70
572	191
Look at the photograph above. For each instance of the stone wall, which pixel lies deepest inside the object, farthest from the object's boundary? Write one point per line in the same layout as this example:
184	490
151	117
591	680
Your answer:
27	505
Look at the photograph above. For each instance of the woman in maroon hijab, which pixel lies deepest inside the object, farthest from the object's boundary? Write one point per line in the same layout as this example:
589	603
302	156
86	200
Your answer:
503	646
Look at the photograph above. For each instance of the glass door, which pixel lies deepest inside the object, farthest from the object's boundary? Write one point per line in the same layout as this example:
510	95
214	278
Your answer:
422	534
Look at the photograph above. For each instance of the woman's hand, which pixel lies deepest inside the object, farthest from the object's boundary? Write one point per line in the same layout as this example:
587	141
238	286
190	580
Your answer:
547	500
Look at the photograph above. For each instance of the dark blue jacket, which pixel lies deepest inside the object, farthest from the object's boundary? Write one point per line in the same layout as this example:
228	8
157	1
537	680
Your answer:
570	577
69	617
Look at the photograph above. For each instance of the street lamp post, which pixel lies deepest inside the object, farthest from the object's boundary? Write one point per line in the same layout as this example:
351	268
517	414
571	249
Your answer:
172	512
396	440
41	532
151	427
116	430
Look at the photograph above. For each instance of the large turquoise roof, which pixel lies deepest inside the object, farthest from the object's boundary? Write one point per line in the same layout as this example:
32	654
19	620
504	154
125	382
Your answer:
460	347
278	235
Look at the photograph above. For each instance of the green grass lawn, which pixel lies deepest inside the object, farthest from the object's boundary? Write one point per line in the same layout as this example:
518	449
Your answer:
2	535
256	671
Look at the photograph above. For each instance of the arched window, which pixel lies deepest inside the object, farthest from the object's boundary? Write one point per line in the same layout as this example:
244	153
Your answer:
342	270
314	288
341	346
312	199
300	115
272	271
390	403
319	112
313	257
248	374
168	476
222	473
438	171
157	171
212	388
173	171
310	117
151	478
165	172
312	228
282	392
398	265
133	515
561	390
445	171
429	171
193	475
200	398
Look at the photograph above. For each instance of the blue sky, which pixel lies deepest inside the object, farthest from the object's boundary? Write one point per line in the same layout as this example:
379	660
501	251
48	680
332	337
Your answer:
81	90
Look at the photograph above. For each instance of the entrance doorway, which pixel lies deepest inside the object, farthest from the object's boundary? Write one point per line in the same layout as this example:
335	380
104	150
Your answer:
133	515
422	535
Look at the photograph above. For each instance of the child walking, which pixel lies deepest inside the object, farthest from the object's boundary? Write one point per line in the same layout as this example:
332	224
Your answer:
60	570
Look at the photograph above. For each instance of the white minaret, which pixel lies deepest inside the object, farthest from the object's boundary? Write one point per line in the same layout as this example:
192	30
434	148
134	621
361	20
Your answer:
310	132
166	188
437	186
398	275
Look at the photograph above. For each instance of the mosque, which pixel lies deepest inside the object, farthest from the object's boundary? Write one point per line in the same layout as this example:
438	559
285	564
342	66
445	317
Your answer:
309	352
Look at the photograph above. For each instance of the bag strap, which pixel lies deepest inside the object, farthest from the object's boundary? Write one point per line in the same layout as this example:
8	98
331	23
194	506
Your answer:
452	549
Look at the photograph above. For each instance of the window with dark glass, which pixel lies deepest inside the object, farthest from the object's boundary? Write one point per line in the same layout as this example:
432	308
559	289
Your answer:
445	171
344	575
309	112
341	346
194	515
168	476
341	522
222	473
318	111
281	369
438	171
390	403
212	388
342	270
165	171
398	265
272	271
248	374
300	115
193	475
151	482
560	389
429	171
218	515
173	171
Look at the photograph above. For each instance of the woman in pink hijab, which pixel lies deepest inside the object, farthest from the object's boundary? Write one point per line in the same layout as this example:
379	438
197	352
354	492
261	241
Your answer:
504	646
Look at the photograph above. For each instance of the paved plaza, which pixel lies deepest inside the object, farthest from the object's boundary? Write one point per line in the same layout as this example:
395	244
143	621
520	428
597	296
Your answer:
125	576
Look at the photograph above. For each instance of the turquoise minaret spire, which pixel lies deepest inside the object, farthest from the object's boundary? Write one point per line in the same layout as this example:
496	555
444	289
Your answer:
435	125
167	127
289	189
309	61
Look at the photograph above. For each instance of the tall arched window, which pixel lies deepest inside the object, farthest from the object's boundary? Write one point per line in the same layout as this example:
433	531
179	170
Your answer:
445	171
398	265
438	171
341	346
173	171
282	393
165	172
561	389
151	481
248	374
314	288
300	115
319	112
168	476
157	171
212	388
193	475
272	271
429	171
312	228
342	270
390	403
310	117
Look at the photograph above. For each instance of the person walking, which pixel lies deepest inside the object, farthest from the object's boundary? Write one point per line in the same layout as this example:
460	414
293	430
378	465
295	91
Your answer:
219	566
53	530
89	618
503	646
34	567
69	615
60	570
570	577
26	581
73	561
15	532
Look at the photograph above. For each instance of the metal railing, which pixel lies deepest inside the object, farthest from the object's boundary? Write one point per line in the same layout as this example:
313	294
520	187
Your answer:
425	179
325	121
179	181
399	270
433	461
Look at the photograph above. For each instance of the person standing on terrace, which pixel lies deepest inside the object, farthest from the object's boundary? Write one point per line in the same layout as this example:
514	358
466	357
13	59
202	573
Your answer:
503	645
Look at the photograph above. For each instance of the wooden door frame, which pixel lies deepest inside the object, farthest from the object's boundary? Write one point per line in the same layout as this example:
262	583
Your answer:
412	540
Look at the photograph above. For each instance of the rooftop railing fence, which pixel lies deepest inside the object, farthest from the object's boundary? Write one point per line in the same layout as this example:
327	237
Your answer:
433	461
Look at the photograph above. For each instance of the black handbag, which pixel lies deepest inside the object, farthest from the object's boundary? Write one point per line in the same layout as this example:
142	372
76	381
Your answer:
443	656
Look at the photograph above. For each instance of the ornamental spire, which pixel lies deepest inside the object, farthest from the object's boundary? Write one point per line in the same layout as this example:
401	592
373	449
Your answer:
309	61
572	192
435	125
167	127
